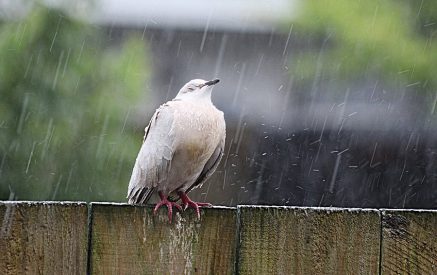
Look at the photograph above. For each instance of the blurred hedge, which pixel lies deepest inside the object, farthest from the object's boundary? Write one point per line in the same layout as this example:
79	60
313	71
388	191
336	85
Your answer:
66	99
390	41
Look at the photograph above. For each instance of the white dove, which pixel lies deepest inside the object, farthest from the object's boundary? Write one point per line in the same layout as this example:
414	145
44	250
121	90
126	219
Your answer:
183	145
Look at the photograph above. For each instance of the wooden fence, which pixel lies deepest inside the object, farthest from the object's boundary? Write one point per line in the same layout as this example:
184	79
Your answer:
104	238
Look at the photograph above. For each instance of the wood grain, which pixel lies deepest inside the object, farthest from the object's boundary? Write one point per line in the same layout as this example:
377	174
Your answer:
130	240
409	243
292	240
51	238
43	238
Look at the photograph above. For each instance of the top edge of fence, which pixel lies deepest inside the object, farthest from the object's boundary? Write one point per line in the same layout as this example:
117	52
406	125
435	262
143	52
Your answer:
64	203
311	208
245	206
336	209
152	206
415	210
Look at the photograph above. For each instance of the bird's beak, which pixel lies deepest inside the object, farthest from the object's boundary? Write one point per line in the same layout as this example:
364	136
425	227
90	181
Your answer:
212	82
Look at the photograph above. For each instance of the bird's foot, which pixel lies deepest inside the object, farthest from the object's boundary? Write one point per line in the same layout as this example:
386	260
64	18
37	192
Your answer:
187	202
169	204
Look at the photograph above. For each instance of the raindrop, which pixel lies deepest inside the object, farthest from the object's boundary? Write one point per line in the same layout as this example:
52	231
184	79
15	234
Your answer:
170	86
102	136
55	80
205	32
66	62
28	66
259	64
125	120
434	104
30	157
23	113
288	40
334	174
373	155
48	138
144	30
81	51
56	188
240	81
220	54
56	33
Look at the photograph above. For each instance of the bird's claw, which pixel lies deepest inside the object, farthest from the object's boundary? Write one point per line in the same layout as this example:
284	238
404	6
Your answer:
187	202
196	206
169	204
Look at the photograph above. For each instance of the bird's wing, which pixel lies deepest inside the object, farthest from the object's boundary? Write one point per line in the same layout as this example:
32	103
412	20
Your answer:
211	165
154	159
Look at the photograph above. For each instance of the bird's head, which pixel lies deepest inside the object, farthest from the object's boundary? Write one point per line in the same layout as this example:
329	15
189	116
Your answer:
197	88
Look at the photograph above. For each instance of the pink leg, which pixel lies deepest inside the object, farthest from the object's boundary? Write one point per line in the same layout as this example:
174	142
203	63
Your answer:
169	204
187	202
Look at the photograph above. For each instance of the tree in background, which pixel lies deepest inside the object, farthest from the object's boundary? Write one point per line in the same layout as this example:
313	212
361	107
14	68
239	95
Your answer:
387	40
65	104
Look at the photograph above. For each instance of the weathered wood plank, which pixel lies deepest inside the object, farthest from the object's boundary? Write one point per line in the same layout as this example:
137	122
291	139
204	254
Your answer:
294	240
43	238
130	240
409	242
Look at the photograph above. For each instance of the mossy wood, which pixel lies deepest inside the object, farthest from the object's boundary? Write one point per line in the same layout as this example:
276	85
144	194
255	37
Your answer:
51	238
43	238
291	240
131	240
409	243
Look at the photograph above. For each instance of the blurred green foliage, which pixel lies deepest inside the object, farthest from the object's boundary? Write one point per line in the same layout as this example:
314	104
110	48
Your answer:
390	39
66	97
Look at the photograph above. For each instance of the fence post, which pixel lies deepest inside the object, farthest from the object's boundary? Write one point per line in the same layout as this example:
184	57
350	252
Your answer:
43	238
130	240
298	240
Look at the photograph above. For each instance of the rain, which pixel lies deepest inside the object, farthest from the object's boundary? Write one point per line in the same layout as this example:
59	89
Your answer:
324	106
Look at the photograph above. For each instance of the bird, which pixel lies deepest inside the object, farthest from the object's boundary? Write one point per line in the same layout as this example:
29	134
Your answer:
182	147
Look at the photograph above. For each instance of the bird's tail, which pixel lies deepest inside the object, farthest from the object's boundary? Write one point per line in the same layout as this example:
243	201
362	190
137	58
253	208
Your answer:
140	195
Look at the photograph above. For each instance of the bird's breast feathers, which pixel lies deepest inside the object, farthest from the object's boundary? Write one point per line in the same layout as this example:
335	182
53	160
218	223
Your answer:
199	129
